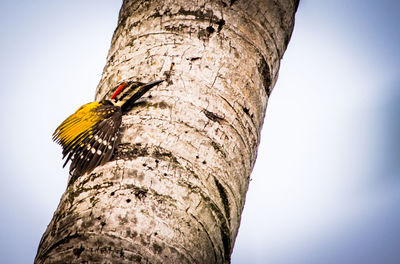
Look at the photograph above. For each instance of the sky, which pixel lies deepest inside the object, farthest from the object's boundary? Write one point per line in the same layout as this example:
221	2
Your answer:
326	184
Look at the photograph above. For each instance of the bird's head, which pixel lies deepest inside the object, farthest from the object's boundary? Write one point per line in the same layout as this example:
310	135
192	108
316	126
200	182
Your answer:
130	91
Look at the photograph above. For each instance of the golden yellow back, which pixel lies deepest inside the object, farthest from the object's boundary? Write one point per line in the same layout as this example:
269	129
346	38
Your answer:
79	123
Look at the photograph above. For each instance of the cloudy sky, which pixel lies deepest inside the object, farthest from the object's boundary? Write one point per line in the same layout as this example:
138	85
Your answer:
326	185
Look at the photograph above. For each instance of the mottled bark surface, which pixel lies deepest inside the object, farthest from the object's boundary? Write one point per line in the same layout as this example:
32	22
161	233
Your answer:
175	190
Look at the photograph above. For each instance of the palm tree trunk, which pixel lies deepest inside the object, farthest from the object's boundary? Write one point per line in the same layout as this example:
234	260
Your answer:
176	187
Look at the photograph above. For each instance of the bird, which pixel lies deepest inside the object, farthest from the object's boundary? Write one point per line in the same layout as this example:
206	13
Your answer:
88	136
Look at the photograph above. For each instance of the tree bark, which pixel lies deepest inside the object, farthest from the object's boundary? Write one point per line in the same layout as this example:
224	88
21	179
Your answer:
176	187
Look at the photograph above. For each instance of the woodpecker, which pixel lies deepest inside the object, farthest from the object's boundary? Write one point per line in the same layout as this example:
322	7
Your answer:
88	136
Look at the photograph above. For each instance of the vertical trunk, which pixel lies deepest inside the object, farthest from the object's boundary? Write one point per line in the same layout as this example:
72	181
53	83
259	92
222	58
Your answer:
176	187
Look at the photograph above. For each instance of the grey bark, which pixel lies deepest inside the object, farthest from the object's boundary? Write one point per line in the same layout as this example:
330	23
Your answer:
176	187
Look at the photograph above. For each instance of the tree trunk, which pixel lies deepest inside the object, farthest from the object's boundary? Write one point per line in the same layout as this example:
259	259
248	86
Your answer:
176	187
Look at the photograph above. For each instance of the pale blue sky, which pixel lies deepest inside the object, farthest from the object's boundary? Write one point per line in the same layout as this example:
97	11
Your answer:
326	186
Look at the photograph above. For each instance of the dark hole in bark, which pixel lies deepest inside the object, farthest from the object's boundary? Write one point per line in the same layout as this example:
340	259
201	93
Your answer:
140	193
263	68
210	30
220	24
78	251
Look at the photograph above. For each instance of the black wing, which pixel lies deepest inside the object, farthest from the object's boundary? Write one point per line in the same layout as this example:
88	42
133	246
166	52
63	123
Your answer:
95	146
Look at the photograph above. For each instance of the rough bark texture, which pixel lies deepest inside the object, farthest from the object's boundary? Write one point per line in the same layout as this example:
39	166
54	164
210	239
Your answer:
175	190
